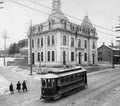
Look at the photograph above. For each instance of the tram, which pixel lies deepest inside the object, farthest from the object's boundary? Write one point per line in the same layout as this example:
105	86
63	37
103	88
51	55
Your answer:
61	83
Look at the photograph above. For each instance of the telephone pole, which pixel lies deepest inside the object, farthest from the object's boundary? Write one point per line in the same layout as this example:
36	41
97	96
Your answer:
118	40
5	37
30	48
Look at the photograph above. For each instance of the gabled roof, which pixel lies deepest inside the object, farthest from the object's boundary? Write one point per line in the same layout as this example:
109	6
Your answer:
112	48
87	23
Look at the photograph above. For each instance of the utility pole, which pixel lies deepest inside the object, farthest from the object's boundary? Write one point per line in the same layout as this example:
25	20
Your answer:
5	37
118	39
30	48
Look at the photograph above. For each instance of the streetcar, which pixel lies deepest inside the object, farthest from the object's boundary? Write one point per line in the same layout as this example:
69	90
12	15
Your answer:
61	83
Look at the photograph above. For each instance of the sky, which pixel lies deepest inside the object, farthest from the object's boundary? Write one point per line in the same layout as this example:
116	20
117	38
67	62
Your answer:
15	19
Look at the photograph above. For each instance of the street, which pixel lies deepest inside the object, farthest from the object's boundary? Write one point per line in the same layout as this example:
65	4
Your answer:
102	87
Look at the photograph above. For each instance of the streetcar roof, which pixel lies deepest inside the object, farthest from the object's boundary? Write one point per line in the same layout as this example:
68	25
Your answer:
62	72
71	72
49	76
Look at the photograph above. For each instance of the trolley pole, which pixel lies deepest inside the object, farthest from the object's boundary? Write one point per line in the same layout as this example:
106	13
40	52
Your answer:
30	48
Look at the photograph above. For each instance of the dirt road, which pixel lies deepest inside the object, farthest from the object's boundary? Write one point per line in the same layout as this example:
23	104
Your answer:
102	86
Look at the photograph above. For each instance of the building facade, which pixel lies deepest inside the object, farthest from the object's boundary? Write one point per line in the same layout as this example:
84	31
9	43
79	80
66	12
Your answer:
61	42
109	53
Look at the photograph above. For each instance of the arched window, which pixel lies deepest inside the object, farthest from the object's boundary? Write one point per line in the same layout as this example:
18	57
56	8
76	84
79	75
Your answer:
53	56
38	55
79	42
72	56
41	56
48	55
48	40
85	43
32	43
64	39
93	45
42	42
53	40
38	42
85	56
72	42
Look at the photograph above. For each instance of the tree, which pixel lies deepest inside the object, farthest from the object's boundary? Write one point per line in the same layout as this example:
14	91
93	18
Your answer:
13	49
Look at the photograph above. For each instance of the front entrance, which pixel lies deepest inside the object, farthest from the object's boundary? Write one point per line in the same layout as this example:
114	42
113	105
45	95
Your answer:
64	58
79	58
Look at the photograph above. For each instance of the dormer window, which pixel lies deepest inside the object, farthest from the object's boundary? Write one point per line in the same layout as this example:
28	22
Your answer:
65	25
50	25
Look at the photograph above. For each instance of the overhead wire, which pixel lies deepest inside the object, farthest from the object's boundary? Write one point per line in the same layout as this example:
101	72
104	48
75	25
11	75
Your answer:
59	18
71	16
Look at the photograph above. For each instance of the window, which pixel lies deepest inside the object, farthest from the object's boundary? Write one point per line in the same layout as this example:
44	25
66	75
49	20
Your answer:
64	40
38	28
85	56
48	55
38	42
38	56
99	53
41	42
93	45
62	80
49	84
53	56
43	83
79	42
53	40
48	40
50	25
72	56
85	45
65	25
33	43
72	42
41	56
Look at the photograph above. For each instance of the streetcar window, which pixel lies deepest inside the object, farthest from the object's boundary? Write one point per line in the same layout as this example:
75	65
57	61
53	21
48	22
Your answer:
67	79
43	83
79	76
62	80
49	83
71	78
75	77
83	75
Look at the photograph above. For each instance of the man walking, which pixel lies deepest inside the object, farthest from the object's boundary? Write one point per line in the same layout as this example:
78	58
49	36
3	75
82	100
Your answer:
24	86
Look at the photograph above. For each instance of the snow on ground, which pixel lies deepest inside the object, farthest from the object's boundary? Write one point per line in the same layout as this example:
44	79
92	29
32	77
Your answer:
4	85
26	73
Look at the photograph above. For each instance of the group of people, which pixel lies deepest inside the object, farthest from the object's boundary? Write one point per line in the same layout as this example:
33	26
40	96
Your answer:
18	87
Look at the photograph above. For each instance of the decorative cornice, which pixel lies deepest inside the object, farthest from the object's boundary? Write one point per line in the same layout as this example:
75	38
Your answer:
64	30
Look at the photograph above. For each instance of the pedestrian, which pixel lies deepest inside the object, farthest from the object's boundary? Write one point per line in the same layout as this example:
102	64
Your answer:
18	86
24	86
11	88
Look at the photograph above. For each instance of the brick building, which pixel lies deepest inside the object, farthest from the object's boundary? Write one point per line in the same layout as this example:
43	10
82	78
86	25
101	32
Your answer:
109	53
59	41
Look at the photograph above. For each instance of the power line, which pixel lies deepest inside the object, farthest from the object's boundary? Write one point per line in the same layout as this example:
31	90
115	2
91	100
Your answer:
59	18
72	16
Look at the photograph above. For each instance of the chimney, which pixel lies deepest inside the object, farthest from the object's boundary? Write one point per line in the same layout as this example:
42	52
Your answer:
103	43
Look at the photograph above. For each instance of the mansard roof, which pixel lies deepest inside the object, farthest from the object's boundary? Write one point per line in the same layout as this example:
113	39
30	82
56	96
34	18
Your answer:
87	23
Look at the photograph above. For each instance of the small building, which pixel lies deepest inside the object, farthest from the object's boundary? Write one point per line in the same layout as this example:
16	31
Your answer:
109	53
